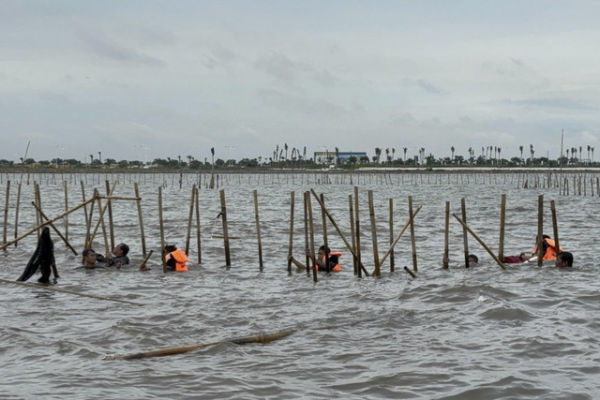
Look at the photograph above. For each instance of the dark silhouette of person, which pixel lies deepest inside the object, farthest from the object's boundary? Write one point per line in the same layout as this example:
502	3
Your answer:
42	258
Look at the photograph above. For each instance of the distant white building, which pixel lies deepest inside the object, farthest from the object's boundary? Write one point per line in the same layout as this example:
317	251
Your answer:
330	157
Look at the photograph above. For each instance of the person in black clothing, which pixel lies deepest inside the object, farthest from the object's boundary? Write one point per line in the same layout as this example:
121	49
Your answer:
42	258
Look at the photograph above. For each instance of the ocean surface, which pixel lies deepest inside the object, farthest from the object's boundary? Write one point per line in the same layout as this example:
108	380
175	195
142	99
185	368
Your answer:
479	333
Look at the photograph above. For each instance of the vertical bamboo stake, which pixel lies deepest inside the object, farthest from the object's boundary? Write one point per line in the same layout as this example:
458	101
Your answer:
198	238
85	212
352	234
306	236
66	190
412	233
88	237
103	225
463	209
138	203
6	203
374	234
312	234
392	261
260	253
162	230
446	235
540	229
38	201
189	225
17	206
225	229
357	222
324	221
110	217
291	241
502	222
555	226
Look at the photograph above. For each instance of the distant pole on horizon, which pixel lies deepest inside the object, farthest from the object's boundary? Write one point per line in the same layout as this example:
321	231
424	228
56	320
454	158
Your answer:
562	136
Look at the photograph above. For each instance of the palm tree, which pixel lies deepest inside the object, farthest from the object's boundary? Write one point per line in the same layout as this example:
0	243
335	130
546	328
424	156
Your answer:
387	154
588	149
422	154
100	157
521	150
573	153
580	152
304	154
91	159
405	149
452	150
531	151
499	156
377	154
592	148
393	152
337	156
568	156
285	146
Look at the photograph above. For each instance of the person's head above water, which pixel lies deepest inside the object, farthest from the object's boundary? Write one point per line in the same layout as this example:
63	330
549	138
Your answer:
89	257
121	250
564	259
525	256
170	248
473	259
324	251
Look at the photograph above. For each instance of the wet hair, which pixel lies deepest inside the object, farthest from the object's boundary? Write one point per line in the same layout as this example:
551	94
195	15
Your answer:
325	249
474	257
87	252
170	248
567	257
42	258
124	248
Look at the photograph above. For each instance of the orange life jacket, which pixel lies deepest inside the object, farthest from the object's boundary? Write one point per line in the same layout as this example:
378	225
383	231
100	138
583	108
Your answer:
180	260
550	253
337	267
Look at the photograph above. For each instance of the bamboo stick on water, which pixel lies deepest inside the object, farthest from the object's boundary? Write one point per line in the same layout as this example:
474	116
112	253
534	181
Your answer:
540	237
260	254
555	226
110	216
225	229
189	223
198	231
391	221
463	208
6	203
162	230
377	271
412	233
446	235
291	239
481	242
17	207
502	222
138	204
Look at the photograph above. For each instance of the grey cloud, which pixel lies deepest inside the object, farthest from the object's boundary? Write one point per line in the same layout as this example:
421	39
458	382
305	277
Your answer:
550	102
107	48
429	87
295	103
279	66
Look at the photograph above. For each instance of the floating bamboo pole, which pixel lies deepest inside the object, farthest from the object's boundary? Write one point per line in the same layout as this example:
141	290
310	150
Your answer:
540	236
463	209
139	210
162	230
291	240
312	236
412	234
502	222
198	231
391	221
481	242
261	338
357	254
40	226
410	272
6	203
66	219
555	226
46	219
110	216
377	271
17	207
446	235
260	253
55	289
352	234
225	229
189	224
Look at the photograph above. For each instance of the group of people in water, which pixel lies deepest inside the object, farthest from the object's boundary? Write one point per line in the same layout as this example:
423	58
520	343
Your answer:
177	260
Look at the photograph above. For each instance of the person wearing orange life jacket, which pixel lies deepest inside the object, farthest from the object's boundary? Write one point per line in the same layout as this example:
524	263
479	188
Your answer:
548	249
176	259
327	260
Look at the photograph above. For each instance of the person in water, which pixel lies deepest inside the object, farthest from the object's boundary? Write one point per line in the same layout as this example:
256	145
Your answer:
327	260
118	258
564	259
90	260
473	259
521	258
176	258
549	250
42	258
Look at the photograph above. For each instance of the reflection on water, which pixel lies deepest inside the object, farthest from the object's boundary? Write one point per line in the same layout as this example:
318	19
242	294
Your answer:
480	333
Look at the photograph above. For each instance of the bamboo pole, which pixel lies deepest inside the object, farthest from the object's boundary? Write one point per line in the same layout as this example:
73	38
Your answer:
198	231
481	242
138	204
306	239
377	271
412	234
540	236
311	235
502	223
446	235
6	203
40	226
66	219
261	338
38	200
463	209
324	222
225	229
410	272
145	260
102	210
110	215
45	218
391	221
260	253
189	224
104	235
291	240
352	234
55	289
357	253
555	226
85	212
399	235
17	207
162	230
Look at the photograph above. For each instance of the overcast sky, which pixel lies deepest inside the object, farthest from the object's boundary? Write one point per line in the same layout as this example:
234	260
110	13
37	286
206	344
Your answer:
143	79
